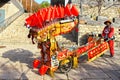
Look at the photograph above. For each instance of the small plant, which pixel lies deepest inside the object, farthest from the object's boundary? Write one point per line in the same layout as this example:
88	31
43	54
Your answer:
44	4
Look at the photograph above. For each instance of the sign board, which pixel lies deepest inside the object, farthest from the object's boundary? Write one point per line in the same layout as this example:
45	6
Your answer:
97	51
2	16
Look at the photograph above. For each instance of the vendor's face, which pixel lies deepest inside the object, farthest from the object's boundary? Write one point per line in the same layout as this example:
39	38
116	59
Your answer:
108	24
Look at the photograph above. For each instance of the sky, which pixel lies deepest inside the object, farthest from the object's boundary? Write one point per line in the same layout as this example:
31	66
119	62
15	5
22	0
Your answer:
39	1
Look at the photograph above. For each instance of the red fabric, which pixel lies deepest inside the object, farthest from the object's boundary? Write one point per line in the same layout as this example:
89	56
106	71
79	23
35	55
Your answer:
29	20
111	33
52	13
44	12
36	63
40	15
56	12
61	11
67	10
43	70
39	21
74	11
33	21
48	15
111	46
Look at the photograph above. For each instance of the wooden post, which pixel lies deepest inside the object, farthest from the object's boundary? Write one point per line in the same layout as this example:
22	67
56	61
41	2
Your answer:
26	5
31	4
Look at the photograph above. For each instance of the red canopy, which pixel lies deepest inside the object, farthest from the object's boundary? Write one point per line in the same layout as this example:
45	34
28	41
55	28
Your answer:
48	14
34	21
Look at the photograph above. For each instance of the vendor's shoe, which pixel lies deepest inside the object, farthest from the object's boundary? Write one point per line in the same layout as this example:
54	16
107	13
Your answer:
111	55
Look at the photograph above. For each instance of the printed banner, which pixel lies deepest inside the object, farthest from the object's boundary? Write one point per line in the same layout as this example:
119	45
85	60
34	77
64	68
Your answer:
97	51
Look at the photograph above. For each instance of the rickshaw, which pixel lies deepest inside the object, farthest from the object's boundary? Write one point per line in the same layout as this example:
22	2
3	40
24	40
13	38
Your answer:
57	20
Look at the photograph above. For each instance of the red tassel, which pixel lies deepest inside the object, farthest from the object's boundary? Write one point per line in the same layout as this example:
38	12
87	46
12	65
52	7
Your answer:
36	63
67	10
47	17
44	12
56	12
53	13
39	21
74	10
61	11
29	20
40	15
43	69
34	20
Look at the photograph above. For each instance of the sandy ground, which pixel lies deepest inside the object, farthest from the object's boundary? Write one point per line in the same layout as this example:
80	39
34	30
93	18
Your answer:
17	56
16	63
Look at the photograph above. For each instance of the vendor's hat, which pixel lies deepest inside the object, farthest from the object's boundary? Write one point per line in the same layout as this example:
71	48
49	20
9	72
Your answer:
108	21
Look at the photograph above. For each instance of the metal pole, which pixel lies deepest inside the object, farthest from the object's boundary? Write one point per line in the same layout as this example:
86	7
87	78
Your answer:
81	8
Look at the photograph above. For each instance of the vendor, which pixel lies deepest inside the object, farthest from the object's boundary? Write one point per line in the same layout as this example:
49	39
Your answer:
108	35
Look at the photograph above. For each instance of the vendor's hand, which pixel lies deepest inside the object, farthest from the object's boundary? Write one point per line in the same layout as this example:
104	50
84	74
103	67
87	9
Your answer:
103	37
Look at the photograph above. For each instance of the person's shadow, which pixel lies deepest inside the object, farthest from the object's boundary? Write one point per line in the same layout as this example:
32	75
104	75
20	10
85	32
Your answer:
21	55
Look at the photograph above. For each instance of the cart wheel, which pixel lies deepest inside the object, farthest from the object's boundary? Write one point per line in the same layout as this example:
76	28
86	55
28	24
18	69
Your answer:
51	73
65	65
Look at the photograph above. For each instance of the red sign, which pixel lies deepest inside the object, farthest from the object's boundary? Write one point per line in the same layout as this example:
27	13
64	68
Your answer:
97	51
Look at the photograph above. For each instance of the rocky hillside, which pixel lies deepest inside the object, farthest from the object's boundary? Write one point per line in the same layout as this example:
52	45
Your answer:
110	12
